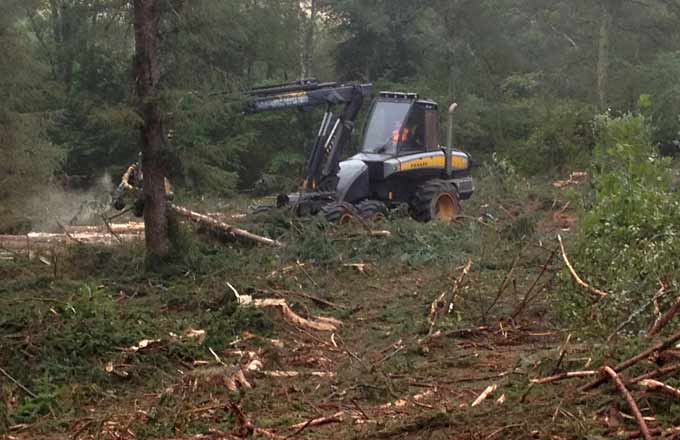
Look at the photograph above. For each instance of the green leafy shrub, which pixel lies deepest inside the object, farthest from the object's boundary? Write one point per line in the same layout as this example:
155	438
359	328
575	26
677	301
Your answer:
560	138
286	163
497	182
629	241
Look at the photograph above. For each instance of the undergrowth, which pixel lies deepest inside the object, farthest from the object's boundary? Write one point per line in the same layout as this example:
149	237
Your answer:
71	326
630	239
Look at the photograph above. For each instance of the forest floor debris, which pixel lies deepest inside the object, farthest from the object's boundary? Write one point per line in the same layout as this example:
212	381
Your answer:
357	348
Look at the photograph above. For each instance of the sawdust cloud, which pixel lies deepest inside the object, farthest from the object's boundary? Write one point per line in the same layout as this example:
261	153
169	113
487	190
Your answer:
57	206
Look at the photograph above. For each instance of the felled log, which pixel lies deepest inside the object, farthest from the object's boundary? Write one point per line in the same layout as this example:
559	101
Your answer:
118	228
221	226
43	240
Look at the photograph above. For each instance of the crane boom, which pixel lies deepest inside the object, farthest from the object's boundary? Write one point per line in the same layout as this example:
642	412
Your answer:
334	134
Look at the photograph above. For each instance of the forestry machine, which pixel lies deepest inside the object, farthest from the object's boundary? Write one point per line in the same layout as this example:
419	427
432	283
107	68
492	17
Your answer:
400	161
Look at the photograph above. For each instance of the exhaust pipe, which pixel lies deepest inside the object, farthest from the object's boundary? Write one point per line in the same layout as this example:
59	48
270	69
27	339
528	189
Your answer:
449	141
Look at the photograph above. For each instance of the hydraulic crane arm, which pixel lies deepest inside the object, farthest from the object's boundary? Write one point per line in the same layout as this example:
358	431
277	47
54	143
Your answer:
334	134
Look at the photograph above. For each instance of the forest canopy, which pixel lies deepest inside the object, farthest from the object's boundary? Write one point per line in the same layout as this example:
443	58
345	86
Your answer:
529	77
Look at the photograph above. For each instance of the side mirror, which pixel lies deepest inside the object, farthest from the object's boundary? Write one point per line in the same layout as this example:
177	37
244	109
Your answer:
449	139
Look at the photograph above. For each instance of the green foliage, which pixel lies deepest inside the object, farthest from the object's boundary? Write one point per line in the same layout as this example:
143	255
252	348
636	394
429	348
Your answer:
559	137
515	68
498	181
288	164
630	238
660	82
31	408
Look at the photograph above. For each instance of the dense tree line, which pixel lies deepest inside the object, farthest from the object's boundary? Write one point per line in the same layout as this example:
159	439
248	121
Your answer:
529	75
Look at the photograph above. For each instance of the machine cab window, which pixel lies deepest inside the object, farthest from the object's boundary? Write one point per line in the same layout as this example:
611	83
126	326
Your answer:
400	125
384	127
412	135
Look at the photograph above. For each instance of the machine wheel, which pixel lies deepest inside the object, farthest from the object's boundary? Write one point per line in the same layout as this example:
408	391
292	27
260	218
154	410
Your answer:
372	210
339	213
436	199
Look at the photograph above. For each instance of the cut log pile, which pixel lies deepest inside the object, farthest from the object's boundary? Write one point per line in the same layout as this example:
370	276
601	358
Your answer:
116	233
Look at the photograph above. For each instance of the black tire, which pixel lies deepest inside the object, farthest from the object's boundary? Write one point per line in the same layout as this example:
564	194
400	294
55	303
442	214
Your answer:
436	199
372	210
339	213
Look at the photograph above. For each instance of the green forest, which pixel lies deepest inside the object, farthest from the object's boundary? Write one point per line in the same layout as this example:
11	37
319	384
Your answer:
539	302
529	77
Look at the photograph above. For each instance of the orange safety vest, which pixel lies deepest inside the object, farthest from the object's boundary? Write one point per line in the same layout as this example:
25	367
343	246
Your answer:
404	135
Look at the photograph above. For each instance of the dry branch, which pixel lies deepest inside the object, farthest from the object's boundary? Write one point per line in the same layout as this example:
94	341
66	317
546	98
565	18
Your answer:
456	333
562	376
284	374
17	383
237	380
486	393
665	319
310	297
526	298
574	275
575	178
335	418
632	316
563	351
662	371
631	402
439	304
506	280
322	324
246	428
664	433
110	230
434	308
661	346
224	227
656	385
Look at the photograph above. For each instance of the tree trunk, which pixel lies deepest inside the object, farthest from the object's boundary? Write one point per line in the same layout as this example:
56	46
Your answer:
307	56
606	21
147	74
